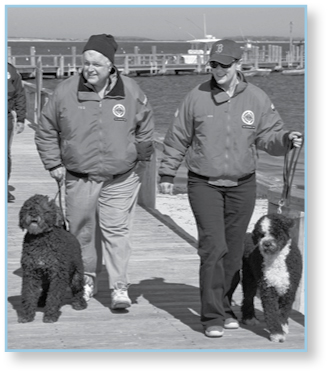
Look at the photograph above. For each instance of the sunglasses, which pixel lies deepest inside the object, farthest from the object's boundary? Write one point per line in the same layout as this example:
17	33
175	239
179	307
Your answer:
215	64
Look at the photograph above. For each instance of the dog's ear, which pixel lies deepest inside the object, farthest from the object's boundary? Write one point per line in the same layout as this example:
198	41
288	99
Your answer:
21	218
255	234
288	223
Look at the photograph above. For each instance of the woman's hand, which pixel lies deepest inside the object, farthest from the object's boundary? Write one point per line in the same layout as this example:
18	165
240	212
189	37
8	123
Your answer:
166	188
296	138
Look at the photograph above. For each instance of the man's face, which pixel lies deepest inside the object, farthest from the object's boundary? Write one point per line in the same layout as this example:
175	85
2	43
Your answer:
96	68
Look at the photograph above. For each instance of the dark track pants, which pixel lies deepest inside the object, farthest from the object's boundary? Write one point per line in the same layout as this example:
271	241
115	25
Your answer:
222	215
10	135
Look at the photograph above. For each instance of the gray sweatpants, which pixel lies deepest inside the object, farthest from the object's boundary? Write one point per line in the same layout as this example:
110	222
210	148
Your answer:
100	215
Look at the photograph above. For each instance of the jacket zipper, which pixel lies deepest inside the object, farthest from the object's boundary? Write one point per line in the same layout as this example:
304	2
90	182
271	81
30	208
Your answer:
228	133
101	145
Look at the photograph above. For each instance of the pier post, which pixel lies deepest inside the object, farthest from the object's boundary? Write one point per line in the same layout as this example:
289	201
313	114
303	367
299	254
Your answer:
137	56
199	68
163	65
60	70
147	193
74	59
9	56
256	50
126	65
38	83
32	56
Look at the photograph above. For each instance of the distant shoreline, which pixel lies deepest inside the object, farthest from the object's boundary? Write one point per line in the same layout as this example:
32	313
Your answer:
141	40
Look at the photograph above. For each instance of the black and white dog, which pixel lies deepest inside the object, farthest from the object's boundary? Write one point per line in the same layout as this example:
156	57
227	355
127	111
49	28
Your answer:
272	263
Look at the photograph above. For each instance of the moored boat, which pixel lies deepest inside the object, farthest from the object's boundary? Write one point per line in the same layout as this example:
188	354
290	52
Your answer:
199	47
293	72
256	71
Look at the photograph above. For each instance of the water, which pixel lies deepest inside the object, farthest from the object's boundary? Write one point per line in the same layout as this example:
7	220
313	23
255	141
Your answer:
166	92
64	47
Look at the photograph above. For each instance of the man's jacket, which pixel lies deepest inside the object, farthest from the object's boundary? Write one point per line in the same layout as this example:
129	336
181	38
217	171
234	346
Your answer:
219	135
91	135
16	95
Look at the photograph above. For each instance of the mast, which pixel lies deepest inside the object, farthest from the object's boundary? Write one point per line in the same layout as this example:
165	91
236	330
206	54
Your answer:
291	25
204	25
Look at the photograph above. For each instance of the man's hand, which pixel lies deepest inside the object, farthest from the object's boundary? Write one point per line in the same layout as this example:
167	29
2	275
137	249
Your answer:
144	150
166	188
58	174
19	127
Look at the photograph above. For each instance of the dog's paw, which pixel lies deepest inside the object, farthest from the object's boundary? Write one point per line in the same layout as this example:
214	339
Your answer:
50	319
277	338
24	319
79	304
251	322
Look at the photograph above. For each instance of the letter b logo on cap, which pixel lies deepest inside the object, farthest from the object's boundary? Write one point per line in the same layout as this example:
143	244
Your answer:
219	48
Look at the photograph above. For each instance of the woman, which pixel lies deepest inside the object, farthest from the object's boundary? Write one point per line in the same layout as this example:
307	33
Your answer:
218	129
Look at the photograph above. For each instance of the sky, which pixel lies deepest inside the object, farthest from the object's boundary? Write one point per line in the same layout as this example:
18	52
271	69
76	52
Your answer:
164	22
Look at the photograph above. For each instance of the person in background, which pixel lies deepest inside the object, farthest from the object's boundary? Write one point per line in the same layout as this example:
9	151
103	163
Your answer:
218	129
98	128
16	114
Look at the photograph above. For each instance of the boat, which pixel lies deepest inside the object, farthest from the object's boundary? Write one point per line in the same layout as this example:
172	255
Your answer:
252	71
199	47
262	71
293	72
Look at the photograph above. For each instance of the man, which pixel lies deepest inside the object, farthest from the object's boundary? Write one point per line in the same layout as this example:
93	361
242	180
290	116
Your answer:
218	129
98	127
16	113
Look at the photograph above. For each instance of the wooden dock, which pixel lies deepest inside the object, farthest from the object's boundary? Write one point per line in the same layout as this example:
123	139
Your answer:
61	66
164	290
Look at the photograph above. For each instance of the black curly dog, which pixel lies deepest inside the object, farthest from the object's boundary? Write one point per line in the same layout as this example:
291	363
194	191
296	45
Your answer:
272	263
51	261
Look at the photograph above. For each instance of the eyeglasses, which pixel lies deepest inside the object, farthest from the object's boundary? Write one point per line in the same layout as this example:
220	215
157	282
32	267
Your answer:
215	64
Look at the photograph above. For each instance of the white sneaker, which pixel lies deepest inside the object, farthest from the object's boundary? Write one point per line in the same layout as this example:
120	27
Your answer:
90	289
120	299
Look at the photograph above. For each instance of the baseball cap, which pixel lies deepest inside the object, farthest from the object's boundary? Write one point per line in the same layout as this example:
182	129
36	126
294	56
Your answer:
225	51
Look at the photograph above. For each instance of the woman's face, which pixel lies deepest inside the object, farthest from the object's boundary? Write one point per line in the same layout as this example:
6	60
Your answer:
223	74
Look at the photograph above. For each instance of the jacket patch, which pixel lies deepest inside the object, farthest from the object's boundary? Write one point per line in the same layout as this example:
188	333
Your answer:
248	117
119	110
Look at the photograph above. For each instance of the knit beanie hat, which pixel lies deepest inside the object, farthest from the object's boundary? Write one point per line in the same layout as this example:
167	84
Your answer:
104	44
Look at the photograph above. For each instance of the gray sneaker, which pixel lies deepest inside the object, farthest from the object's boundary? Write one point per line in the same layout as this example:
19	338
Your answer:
120	299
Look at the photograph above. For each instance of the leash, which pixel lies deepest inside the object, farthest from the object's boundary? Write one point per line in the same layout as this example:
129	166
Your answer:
59	194
288	175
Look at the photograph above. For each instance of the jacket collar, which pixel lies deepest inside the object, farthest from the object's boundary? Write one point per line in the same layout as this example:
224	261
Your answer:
220	96
86	91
